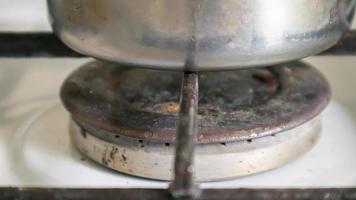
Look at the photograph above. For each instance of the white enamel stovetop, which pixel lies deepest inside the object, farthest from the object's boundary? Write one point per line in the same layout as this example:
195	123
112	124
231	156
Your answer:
35	150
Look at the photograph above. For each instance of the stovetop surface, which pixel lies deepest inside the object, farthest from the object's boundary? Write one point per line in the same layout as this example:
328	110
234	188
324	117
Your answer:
35	150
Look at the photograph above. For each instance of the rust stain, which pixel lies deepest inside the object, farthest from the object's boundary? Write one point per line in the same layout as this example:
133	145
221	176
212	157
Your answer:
268	79
167	107
114	150
124	158
105	160
171	107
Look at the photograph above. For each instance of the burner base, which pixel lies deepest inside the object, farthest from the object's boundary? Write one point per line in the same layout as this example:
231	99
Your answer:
213	162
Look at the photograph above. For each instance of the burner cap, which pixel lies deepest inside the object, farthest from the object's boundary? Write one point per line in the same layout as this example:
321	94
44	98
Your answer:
113	101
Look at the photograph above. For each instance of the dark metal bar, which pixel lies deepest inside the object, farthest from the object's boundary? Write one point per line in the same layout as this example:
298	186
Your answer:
33	45
183	184
46	44
160	194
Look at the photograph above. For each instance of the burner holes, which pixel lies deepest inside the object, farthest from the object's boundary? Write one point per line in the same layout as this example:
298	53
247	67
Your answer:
117	136
223	143
273	135
141	143
249	140
83	133
167	144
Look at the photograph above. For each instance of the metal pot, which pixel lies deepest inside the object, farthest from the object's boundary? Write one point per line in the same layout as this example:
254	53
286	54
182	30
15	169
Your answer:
200	35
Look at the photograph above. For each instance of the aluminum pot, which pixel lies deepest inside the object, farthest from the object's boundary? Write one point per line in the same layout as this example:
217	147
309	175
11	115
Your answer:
200	35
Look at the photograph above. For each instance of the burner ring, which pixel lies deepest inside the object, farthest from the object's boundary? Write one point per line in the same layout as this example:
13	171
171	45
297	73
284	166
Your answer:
113	101
213	161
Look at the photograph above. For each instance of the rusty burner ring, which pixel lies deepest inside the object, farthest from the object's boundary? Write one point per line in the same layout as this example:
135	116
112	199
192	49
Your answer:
112	101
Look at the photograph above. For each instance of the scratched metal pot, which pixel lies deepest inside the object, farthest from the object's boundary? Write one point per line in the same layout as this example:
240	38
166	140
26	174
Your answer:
200	34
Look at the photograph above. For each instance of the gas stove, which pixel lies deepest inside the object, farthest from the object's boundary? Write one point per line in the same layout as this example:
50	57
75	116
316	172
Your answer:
114	126
37	150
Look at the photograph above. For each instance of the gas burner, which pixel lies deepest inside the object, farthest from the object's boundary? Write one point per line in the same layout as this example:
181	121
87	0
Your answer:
248	120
